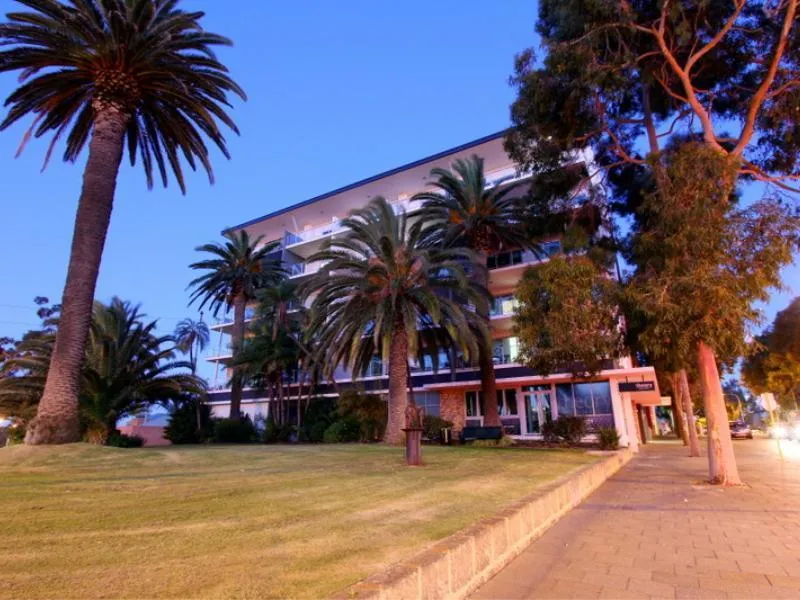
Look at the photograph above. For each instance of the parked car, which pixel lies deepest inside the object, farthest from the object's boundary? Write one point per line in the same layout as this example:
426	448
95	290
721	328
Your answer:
740	429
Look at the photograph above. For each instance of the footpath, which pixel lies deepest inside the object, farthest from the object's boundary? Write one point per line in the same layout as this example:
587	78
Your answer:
656	530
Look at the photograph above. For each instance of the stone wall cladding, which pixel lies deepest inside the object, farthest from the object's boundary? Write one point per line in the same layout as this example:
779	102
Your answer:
460	563
452	408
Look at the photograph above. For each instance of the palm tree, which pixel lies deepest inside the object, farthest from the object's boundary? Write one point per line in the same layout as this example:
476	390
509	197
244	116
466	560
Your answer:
127	368
191	337
462	212
139	74
239	269
381	287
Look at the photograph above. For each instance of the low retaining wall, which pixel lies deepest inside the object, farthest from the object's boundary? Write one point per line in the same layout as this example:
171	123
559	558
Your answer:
458	564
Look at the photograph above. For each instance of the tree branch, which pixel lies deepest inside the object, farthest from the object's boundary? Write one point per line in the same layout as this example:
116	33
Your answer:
693	58
761	93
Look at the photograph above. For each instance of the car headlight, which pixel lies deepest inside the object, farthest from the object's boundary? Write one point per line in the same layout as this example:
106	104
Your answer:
779	431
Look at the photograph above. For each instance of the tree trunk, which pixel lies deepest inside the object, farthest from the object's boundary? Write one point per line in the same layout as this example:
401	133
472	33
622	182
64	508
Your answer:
239	305
721	459
398	385
491	418
56	420
688	409
677	409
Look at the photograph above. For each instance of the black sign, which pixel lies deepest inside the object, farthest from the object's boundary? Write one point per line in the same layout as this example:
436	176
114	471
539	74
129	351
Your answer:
637	386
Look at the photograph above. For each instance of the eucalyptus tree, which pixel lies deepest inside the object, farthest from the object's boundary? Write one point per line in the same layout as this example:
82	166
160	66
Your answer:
382	288
236	271
624	78
463	212
117	75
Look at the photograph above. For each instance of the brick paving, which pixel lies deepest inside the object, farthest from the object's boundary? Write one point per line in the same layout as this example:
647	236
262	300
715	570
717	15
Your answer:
655	530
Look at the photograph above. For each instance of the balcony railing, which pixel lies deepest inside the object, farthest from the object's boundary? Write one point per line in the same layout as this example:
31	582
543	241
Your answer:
522	257
301	269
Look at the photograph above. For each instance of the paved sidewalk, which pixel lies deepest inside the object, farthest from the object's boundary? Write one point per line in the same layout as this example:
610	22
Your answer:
655	530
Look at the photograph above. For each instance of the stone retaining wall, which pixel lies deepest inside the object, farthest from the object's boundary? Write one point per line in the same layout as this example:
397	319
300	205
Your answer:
457	565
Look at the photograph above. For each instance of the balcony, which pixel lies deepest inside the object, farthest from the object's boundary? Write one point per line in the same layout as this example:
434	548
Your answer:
225	322
298	270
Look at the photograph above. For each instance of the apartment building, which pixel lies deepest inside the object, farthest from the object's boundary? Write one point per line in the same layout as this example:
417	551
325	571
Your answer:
620	395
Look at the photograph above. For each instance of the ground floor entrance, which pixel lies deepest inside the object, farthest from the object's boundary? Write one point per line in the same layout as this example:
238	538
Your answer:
538	407
525	405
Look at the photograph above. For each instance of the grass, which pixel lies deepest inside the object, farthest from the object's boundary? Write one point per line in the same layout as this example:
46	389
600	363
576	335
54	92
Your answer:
240	522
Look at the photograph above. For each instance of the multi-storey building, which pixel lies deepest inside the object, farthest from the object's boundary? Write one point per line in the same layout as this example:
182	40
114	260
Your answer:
619	396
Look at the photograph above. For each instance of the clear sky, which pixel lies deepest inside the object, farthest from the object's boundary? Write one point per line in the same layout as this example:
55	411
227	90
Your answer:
338	91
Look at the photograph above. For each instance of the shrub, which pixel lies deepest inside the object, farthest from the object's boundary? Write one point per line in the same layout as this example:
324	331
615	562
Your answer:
571	429
504	442
235	431
182	424
568	429
16	434
608	437
320	415
433	426
120	440
317	431
286	433
270	433
368	410
344	430
549	433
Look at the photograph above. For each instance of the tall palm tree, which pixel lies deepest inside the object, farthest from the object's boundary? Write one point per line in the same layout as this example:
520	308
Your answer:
140	74
239	269
380	290
462	212
127	368
191	337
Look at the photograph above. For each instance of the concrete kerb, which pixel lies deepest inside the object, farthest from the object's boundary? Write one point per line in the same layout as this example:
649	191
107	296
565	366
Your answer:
460	563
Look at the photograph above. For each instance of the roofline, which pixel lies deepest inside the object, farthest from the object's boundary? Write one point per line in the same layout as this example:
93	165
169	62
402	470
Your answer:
372	179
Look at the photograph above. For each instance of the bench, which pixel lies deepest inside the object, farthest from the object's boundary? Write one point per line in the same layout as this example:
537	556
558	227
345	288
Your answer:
470	434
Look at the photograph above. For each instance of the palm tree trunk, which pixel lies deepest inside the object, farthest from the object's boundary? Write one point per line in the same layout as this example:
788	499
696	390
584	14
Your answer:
677	408
688	409
239	305
491	418
56	419
721	459
398	385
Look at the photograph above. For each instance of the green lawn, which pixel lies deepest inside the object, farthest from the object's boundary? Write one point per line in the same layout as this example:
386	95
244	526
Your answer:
249	521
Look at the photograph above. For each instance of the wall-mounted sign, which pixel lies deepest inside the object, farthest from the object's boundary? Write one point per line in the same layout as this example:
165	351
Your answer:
637	386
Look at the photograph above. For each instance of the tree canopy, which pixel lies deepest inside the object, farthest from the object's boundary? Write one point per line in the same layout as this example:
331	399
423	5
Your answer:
568	318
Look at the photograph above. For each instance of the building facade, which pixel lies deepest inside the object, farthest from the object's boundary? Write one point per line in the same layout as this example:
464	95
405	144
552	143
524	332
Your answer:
525	399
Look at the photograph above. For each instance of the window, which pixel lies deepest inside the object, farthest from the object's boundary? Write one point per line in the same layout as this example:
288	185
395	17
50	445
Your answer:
564	399
584	399
506	350
507	403
474	404
504	305
375	368
582	393
550	248
429	401
504	259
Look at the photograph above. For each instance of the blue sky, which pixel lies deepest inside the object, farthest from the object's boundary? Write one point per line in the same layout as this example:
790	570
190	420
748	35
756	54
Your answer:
338	91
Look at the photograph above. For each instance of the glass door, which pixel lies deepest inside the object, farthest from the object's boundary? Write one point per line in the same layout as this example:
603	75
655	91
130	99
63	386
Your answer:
537	407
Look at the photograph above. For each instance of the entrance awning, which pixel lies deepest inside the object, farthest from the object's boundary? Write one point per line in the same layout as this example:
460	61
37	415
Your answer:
643	389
